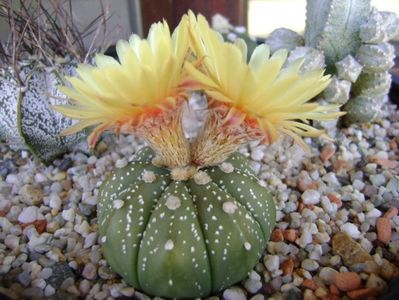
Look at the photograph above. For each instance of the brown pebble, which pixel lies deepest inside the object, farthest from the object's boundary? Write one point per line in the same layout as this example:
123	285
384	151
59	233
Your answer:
341	166
347	281
350	251
290	235
327	152
335	199
391	213
40	225
362	293
309	284
384	230
287	266
302	185
383	162
277	235
393	145
334	290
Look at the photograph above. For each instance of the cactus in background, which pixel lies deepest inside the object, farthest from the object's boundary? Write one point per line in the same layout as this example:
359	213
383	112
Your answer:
351	39
184	238
27	117
43	46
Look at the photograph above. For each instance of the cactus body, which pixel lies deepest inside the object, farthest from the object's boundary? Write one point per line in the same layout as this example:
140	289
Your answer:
184	239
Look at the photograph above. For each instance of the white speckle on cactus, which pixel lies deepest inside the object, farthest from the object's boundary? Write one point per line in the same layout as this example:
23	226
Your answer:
226	167
169	245
148	176
348	68
247	246
229	207
170	282
118	204
202	178
104	239
173	202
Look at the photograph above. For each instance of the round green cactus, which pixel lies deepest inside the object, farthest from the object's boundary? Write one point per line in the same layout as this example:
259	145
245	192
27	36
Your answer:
183	239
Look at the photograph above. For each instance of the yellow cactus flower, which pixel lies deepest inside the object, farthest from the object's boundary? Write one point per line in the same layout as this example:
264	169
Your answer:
261	93
119	95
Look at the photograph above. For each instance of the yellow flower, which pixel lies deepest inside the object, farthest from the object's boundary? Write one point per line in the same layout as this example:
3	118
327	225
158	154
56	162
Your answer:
261	92
148	79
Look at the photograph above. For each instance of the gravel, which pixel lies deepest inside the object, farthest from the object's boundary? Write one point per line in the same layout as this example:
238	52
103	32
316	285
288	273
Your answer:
49	244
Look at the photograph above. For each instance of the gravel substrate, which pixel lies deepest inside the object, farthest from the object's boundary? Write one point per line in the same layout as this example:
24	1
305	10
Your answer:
49	244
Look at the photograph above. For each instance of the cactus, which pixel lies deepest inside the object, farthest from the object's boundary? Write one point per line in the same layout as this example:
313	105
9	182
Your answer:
27	120
353	38
184	238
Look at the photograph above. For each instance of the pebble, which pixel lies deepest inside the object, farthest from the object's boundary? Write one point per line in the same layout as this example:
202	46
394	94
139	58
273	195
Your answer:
55	201
234	293
309	264
326	274
271	262
311	197
349	250
29	214
31	195
377	179
347	281
49	291
24	278
69	214
11	241
120	163
351	229
89	271
384	230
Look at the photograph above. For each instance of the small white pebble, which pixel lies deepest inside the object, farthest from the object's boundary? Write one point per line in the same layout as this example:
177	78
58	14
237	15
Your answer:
29	214
310	197
69	214
351	229
120	163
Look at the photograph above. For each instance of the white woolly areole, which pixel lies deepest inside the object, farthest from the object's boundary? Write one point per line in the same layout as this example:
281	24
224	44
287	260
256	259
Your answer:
226	167
202	178
229	207
104	239
169	245
173	202
148	176
117	204
247	246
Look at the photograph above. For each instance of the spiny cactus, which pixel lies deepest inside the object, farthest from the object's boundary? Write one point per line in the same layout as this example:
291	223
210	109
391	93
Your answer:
353	39
182	239
27	119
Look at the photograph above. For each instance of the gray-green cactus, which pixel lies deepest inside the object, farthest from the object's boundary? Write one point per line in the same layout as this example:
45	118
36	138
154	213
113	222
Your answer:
184	239
353	38
26	117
